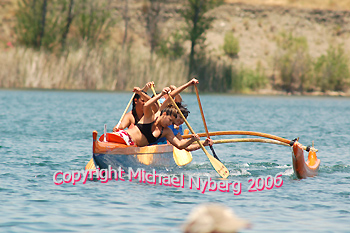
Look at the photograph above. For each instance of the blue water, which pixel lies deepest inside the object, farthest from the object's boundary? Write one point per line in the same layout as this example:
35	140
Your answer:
47	131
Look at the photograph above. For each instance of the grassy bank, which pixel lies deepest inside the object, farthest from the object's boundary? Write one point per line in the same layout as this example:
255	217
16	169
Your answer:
118	69
96	69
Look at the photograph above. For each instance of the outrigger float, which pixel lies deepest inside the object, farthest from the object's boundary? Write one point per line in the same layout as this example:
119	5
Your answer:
110	153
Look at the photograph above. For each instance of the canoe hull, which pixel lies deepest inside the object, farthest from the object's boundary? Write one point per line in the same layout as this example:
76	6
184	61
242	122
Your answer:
301	168
135	161
119	155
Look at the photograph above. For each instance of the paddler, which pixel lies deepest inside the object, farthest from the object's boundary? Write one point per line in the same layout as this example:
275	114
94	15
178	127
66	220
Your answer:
178	131
152	127
134	116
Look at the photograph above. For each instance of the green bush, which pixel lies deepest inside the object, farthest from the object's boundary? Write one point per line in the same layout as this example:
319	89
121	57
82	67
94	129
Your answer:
172	47
332	70
293	62
214	75
231	45
254	79
247	79
93	21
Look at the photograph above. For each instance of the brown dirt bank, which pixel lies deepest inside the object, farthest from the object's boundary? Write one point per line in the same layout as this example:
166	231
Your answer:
312	4
256	24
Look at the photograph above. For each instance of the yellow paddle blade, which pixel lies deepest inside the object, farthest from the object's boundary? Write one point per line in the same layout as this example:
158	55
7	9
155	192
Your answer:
146	159
90	165
182	157
217	165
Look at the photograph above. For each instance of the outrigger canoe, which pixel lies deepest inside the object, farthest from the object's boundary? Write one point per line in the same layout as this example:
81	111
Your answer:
166	156
119	155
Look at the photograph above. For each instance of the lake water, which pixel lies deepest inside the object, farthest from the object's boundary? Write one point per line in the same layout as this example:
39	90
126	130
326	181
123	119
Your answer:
47	131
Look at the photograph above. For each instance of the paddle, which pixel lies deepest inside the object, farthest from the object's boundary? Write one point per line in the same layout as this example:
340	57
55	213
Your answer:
154	93
181	157
91	164
204	123
126	109
218	166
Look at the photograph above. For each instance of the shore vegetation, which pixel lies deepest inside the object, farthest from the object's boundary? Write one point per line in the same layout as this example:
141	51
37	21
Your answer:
68	44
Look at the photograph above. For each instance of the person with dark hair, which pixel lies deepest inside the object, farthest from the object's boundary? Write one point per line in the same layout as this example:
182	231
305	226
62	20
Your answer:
153	126
134	116
177	126
178	131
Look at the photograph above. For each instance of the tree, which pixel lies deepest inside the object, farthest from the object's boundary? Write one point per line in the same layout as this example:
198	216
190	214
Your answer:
197	24
126	21
70	17
151	11
31	22
93	20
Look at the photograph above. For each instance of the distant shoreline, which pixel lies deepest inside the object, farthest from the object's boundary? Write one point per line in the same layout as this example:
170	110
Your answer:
263	92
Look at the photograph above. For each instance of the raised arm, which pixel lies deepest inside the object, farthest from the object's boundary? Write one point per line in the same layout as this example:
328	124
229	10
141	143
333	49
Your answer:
142	94
183	87
147	107
177	91
147	86
178	97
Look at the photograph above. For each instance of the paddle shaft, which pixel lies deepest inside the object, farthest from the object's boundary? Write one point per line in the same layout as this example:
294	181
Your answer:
204	122
181	157
126	109
154	93
202	113
218	166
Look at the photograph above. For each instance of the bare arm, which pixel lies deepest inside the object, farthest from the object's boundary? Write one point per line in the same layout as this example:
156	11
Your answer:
177	91
147	107
178	97
147	86
195	146
143	95
125	123
182	143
